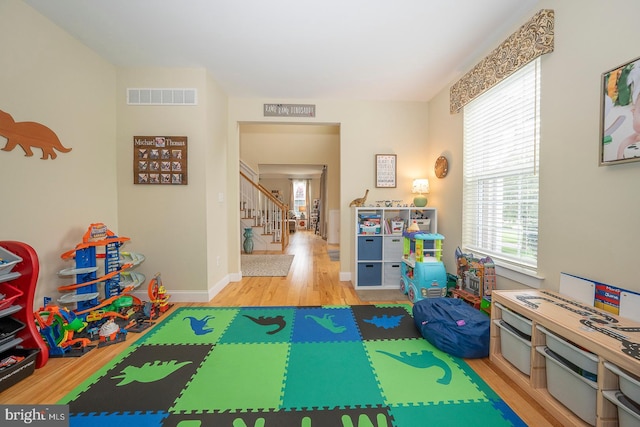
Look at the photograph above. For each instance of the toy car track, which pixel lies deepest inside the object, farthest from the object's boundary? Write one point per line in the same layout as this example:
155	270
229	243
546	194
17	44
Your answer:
592	318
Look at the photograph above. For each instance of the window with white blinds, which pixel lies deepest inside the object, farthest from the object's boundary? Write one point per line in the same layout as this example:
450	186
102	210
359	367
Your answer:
500	172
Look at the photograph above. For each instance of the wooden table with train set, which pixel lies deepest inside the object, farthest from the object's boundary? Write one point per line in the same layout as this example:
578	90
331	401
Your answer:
613	343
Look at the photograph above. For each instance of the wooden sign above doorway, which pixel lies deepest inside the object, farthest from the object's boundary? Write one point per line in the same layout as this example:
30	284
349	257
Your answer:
289	110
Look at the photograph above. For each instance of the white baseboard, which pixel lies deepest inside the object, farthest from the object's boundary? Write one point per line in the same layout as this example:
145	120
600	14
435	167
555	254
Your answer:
193	295
215	289
345	276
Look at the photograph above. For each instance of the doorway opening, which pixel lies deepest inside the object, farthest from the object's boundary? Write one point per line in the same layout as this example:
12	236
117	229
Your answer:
281	153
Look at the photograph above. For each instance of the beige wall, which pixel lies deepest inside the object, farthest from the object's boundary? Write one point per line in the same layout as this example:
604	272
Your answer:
217	187
48	77
445	139
587	213
283	185
180	229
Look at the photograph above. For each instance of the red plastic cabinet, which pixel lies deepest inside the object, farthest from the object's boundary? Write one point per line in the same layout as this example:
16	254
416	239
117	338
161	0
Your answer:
19	285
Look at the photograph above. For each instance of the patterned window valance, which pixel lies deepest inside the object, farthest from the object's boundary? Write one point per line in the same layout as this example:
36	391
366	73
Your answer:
533	39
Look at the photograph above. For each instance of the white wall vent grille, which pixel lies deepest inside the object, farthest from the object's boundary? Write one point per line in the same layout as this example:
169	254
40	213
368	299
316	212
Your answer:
163	96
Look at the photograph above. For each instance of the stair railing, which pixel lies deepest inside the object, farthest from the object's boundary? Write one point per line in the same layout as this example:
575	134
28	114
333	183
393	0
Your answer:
266	212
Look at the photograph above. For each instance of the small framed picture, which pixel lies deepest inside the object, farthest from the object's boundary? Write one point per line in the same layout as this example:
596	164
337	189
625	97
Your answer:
620	114
386	170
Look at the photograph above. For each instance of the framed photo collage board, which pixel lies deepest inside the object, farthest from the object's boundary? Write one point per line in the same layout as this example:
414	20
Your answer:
160	160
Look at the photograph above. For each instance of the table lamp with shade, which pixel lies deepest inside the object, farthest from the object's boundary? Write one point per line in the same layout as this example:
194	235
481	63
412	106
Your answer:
302	210
420	187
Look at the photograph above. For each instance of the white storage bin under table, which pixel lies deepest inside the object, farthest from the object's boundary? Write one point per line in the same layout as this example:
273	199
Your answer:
519	322
628	382
586	361
628	412
515	348
570	388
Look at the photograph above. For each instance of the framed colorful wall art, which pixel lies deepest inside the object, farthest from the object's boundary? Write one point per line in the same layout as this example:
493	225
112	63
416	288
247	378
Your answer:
620	114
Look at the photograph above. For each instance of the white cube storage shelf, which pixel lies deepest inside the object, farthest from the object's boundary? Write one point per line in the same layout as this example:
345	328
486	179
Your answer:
378	245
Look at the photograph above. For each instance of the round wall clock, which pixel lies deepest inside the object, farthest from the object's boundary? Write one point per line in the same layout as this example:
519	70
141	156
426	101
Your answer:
442	167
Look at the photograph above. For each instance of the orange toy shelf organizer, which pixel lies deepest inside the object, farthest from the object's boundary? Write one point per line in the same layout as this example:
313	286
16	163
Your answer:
23	278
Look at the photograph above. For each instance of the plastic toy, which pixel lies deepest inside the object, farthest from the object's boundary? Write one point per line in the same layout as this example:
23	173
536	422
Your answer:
72	334
103	308
57	326
423	275
477	275
10	361
425	280
104	311
111	333
158	297
115	304
99	242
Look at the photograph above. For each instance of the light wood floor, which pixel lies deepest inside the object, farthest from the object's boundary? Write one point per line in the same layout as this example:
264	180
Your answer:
312	280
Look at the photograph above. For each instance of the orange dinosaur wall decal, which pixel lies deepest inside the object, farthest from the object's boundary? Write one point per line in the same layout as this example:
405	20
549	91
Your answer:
28	135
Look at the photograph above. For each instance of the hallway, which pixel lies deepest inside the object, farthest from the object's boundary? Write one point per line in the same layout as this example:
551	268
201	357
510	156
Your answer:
312	279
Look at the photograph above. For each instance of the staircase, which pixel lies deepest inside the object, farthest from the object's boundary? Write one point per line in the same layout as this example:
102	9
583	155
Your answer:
265	214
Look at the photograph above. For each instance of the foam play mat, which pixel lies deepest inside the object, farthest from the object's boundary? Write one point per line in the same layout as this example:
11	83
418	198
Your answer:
347	366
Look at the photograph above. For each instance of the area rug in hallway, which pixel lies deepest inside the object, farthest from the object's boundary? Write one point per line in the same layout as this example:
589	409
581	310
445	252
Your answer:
372	295
363	365
265	265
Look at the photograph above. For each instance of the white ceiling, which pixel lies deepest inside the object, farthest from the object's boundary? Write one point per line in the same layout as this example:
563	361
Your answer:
404	50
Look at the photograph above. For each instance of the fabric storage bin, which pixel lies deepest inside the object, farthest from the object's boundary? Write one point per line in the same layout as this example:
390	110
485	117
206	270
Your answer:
517	321
514	348
587	362
628	382
424	224
628	412
393	247
370	247
574	391
392	273
369	274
